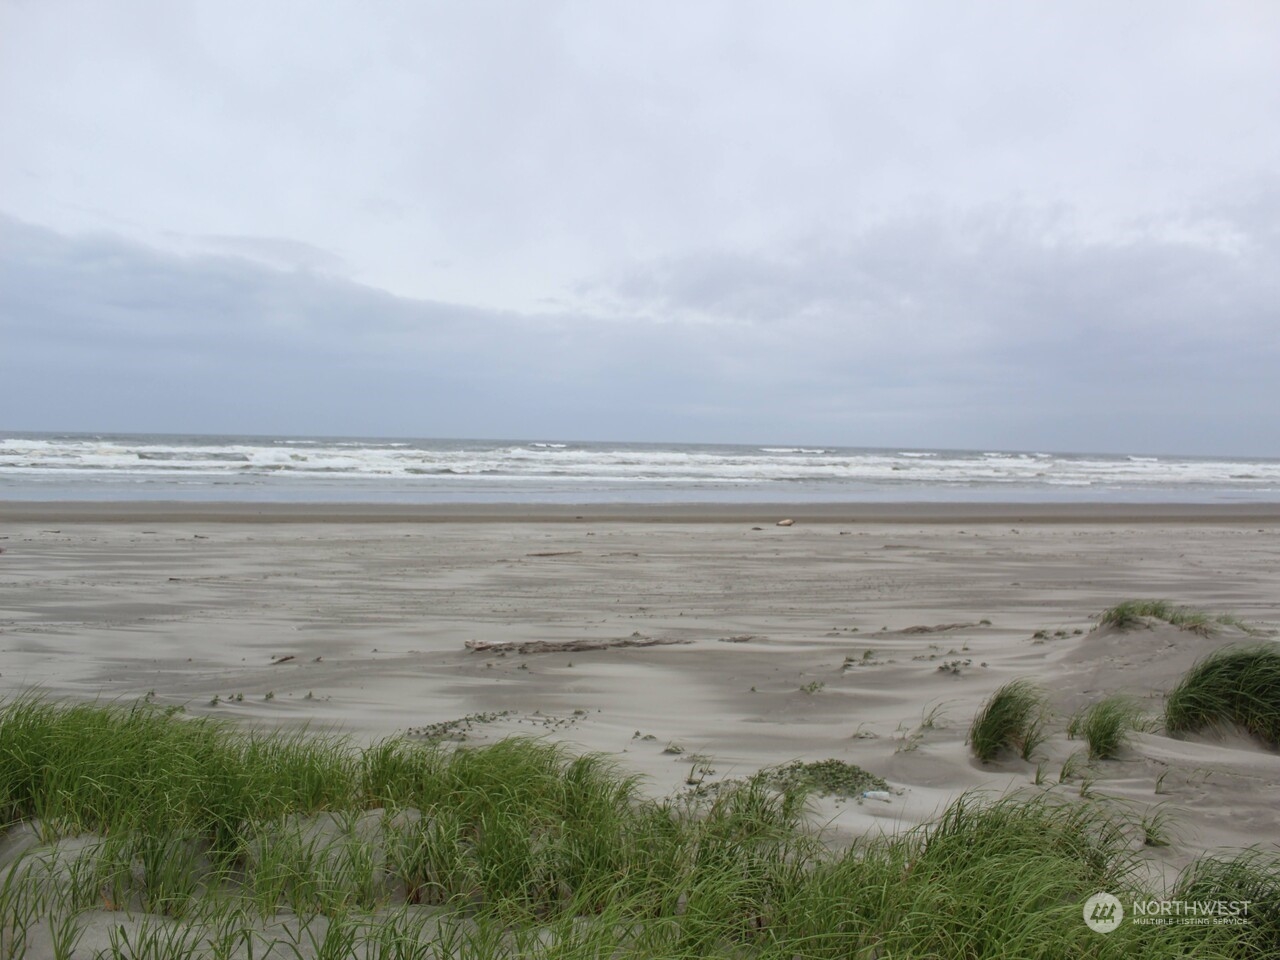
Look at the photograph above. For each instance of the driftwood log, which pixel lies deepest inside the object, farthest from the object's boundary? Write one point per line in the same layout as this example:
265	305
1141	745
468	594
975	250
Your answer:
566	646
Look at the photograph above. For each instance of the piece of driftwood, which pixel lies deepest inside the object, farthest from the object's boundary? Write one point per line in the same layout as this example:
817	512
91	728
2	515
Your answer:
566	646
940	628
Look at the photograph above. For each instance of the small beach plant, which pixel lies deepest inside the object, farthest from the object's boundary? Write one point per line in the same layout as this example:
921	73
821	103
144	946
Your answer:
1106	725
1013	719
1237	686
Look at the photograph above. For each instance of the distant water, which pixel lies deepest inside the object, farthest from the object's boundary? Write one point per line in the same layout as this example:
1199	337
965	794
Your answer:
357	470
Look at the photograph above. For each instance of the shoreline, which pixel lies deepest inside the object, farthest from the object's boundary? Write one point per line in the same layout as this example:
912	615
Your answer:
174	511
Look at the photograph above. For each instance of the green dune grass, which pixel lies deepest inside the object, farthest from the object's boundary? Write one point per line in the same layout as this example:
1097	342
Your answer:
210	840
1014	718
1106	725
1134	613
1237	686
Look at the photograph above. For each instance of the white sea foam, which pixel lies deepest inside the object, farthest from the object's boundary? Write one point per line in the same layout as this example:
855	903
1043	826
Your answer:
345	465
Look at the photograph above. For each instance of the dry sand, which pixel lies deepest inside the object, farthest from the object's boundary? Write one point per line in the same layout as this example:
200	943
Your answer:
359	618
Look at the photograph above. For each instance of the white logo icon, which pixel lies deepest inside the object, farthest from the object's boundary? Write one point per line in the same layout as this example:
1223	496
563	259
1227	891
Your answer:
1103	912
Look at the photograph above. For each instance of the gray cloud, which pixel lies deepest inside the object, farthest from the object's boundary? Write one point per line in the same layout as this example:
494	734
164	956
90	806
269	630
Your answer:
277	252
873	223
1006	281
990	333
536	142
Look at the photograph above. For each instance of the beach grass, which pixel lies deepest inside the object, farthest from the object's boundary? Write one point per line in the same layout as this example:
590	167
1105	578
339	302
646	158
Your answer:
1012	719
1237	686
1251	876
198	838
1131	614
1105	726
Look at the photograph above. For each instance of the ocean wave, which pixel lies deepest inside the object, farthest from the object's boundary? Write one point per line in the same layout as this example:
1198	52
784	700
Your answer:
194	461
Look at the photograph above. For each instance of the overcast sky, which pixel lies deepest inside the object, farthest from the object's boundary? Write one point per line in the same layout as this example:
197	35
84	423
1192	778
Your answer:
959	224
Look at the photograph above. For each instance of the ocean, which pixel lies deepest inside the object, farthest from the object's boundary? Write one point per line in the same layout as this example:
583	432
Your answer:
81	466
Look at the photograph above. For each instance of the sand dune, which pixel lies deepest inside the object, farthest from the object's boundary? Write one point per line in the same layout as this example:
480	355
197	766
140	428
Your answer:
361	622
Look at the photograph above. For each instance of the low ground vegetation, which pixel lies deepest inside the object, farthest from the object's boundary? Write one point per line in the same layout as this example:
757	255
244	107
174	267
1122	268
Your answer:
828	778
1134	613
209	840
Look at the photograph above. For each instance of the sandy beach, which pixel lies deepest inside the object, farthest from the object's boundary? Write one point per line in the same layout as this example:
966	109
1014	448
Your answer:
867	635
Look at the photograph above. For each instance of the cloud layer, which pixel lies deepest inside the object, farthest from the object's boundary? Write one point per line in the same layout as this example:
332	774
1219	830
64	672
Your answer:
967	332
875	224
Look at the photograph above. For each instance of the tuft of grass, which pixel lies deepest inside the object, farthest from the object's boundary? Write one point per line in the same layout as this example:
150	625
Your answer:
1134	613
900	896
1014	718
88	768
1250	875
1156	827
1106	725
1237	686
